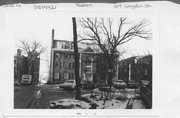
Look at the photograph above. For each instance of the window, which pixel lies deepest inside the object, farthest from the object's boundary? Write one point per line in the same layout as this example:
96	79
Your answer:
88	63
54	44
146	71
88	69
60	65
125	70
71	56
62	46
66	56
146	62
72	46
69	65
57	64
57	55
56	76
71	75
60	55
61	75
66	47
63	64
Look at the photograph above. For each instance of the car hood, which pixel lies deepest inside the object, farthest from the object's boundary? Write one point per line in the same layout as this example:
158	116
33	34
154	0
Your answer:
66	84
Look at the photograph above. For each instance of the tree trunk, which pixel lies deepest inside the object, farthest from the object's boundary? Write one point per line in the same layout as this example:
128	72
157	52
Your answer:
110	77
76	55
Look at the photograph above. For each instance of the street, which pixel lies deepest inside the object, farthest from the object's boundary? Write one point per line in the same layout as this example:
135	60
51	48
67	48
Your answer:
38	97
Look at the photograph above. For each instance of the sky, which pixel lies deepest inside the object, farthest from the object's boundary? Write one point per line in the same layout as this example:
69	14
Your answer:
38	26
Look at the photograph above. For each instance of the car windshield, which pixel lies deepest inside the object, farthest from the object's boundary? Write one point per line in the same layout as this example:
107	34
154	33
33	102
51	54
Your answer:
69	81
26	78
131	81
119	81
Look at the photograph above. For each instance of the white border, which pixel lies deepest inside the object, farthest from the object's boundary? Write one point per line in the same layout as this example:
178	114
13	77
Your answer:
8	82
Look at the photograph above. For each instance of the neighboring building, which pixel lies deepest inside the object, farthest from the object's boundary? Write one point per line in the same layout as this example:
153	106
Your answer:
127	69
136	68
18	59
21	67
144	66
36	71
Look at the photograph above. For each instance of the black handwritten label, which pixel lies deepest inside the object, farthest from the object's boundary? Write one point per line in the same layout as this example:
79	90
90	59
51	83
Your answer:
12	5
83	5
44	7
132	6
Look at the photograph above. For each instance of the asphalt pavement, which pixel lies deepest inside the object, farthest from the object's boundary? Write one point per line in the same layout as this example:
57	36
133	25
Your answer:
23	96
38	97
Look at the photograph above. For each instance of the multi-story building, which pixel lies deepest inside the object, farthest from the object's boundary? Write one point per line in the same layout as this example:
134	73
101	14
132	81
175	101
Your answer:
21	67
127	69
18	59
36	71
144	66
136	68
62	60
92	64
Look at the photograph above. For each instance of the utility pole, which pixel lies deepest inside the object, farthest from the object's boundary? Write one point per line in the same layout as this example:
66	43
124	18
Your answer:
76	55
51	60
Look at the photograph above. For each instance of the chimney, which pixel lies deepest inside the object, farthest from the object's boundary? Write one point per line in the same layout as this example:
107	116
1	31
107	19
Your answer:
52	34
18	52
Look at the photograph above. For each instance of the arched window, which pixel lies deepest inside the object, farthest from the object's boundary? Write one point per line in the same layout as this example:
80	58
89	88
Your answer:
88	64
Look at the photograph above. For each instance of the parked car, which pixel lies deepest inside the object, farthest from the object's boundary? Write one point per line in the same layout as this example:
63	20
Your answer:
132	84
101	83
88	84
146	93
16	83
119	84
26	79
68	84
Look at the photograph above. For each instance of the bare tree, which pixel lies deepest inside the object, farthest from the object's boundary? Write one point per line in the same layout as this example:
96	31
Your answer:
33	50
101	32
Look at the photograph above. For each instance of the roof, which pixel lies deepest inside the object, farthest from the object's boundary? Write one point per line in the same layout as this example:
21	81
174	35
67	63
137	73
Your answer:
63	40
88	49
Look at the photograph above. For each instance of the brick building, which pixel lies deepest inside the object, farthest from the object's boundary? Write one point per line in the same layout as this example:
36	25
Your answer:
144	66
21	67
136	68
18	60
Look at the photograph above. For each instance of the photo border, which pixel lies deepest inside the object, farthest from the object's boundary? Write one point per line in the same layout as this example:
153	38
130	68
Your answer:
8	95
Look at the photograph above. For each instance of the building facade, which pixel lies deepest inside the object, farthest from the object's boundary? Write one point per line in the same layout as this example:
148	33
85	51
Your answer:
144	66
93	65
62	60
21	67
18	66
136	68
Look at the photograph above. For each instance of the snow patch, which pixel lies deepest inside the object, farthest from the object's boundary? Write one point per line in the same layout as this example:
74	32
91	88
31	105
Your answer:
69	104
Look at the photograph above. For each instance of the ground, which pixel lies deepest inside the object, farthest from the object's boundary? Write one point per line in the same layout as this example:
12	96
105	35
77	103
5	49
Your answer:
40	97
